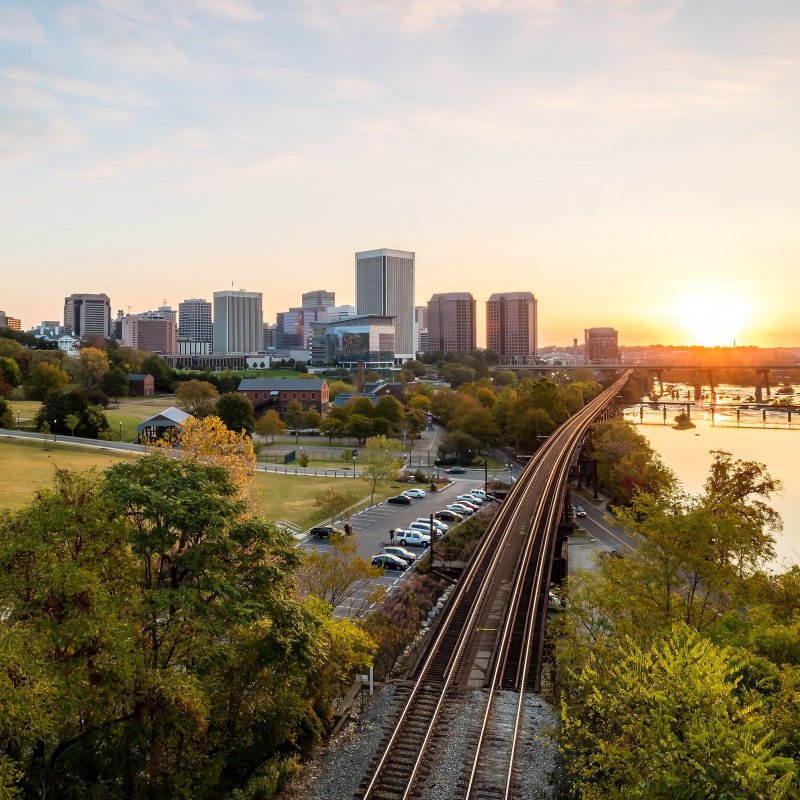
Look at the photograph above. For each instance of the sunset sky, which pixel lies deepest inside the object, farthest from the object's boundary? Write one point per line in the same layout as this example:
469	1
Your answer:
634	163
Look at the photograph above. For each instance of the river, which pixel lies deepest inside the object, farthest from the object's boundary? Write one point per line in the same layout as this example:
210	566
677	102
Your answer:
688	454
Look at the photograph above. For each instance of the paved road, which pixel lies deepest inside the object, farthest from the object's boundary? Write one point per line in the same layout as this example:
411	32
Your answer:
603	536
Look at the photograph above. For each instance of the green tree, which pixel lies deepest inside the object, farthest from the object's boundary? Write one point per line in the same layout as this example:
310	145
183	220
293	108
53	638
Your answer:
115	382
333	427
72	421
236	412
294	415
390	409
45	379
6	414
378	462
332	503
270	424
336	388
312	418
359	427
198	398
670	721
10	372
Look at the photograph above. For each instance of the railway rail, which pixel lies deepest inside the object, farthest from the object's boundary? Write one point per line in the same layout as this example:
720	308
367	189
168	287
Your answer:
500	602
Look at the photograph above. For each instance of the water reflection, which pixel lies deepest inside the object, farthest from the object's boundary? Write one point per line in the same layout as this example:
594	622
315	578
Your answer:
687	453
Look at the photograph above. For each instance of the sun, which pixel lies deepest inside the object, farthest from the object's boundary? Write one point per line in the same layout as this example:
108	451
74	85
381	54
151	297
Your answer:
712	318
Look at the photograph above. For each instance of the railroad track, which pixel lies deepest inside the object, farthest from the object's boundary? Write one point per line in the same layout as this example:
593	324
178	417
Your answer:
509	574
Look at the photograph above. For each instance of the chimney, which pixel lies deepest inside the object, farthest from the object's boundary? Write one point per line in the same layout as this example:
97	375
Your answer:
360	377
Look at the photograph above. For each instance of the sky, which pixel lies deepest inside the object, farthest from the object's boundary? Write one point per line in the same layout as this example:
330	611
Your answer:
633	163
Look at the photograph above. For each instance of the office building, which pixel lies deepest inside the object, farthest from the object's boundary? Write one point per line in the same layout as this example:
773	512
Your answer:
293	330
87	315
385	287
511	329
49	329
420	325
194	320
601	345
149	333
338	313
238	323
367	339
270	336
451	322
12	323
318	298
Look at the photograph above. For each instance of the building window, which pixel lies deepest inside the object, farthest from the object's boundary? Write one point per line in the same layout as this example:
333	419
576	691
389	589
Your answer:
255	395
294	395
303	396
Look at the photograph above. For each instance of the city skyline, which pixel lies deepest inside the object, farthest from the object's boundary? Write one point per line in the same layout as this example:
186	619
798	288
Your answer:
631	163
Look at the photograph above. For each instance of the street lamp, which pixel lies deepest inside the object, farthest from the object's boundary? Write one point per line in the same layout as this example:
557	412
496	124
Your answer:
17	420
54	430
120	431
354	466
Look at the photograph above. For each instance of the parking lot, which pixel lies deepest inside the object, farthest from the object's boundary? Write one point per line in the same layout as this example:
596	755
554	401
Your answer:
371	527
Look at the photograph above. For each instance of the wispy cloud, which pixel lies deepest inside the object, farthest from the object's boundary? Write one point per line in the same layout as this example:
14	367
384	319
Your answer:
26	137
19	25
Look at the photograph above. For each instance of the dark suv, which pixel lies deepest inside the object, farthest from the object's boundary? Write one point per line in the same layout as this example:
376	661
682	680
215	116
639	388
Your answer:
324	532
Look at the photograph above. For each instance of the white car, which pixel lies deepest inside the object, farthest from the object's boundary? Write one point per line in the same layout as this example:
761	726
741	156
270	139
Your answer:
415	493
470	498
437	523
460	508
480	494
412	538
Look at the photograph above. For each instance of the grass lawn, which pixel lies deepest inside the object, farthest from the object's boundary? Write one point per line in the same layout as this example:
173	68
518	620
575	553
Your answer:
26	466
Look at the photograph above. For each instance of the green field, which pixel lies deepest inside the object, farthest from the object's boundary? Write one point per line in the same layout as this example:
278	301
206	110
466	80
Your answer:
26	466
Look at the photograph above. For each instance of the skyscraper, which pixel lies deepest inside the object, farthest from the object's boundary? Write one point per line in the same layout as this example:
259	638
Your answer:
511	325
601	345
194	320
87	315
319	297
385	286
451	322
238	323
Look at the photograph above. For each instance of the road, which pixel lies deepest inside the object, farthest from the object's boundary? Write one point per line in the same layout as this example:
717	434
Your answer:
602	536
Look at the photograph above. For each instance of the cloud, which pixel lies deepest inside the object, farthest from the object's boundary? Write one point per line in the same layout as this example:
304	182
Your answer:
18	25
110	168
27	137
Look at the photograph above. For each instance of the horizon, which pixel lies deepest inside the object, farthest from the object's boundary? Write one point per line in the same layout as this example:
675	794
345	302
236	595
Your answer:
631	163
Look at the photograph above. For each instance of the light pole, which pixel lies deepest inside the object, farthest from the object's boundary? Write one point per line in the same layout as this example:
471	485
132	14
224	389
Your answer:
120	431
354	466
54	430
17	420
485	474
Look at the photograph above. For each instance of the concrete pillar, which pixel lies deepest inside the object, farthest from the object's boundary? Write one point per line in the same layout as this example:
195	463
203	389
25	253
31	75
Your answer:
759	394
765	373
698	391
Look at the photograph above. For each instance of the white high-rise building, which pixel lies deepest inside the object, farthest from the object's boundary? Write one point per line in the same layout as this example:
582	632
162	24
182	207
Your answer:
194	320
238	323
385	286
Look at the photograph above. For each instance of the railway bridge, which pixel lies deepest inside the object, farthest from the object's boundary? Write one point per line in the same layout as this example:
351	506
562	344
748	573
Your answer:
489	638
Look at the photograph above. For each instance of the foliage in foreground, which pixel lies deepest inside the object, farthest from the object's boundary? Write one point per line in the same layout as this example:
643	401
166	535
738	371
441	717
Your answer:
152	645
678	667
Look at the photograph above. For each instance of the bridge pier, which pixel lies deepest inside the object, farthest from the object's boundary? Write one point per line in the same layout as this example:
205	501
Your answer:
765	374
659	373
698	391
759	394
712	387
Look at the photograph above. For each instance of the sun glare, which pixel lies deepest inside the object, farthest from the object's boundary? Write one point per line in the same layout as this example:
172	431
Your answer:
710	319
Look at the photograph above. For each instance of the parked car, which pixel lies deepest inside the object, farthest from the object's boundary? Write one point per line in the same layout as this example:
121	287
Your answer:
437	523
461	508
479	493
448	515
612	554
579	511
414	538
401	552
470	498
388	561
416	494
456	470
324	532
400	499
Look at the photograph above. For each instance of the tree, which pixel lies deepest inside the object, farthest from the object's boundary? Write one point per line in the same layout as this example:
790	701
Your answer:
333	503
339	387
93	365
312	418
505	377
6	415
360	427
294	415
333	427
458	443
208	441
198	398
378	462
339	574
270	424
115	382
236	412
162	373
670	721
72	421
45	379
56	409
389	408
10	372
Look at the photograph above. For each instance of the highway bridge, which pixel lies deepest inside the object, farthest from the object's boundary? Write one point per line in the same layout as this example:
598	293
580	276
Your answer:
490	637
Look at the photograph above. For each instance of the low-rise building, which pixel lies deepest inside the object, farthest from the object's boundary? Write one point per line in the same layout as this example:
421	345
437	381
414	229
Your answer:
141	385
368	339
275	394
